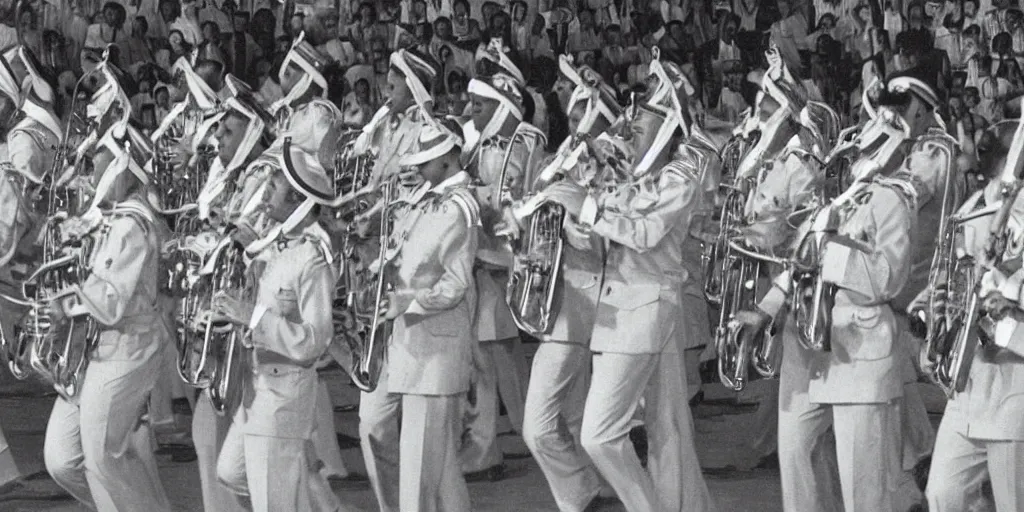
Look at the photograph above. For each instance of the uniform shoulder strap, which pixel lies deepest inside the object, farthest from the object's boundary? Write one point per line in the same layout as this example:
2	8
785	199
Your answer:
464	199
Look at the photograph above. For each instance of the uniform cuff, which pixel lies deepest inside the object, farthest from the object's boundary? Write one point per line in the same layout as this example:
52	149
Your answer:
588	211
773	301
257	315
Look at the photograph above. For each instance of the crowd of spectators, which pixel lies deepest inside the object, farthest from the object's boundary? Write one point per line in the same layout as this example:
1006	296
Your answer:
835	47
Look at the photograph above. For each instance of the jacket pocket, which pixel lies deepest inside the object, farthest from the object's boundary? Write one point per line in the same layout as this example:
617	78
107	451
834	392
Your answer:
864	333
625	297
443	325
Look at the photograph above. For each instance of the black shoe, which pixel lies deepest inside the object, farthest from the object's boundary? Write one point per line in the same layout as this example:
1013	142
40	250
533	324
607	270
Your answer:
25	489
517	456
697	399
178	452
346	442
494	473
770	461
600	502
346	408
351	478
638	436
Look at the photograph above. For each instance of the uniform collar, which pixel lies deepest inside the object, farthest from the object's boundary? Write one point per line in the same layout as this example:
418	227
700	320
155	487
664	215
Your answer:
459	178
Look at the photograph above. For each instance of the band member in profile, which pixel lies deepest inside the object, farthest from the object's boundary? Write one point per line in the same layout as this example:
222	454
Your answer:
392	132
560	376
410	424
27	143
644	221
509	148
289	327
242	134
867	253
98	448
981	437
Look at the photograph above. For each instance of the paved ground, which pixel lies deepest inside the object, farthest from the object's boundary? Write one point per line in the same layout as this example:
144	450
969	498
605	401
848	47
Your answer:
723	423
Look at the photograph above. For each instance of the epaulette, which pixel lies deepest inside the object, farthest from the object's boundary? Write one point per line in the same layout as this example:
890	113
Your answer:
465	200
534	135
36	131
682	169
135	210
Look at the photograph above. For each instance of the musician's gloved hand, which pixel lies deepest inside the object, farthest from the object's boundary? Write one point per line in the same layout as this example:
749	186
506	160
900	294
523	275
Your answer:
755	319
56	310
918	311
766	234
509	225
398	302
578	235
997	306
230	309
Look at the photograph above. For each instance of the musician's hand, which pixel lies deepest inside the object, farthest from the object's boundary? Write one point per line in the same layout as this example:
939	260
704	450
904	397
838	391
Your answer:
997	306
577	235
56	311
397	302
509	225
233	310
755	318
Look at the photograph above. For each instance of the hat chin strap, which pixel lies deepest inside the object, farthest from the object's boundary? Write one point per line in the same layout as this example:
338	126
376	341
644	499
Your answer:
289	224
664	135
295	93
122	161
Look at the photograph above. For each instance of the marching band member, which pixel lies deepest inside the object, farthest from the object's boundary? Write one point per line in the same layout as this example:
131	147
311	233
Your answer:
290	329
391	133
644	222
306	117
982	434
507	147
868	253
242	134
791	180
410	425
561	366
26	151
98	447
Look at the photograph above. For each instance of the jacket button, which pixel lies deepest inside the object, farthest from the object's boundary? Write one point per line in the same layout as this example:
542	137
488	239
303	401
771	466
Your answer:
609	290
275	371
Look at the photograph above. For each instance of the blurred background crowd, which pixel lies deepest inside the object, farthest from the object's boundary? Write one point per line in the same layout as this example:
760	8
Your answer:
975	47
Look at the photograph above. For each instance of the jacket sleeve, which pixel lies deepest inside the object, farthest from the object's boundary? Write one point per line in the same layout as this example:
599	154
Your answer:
456	254
117	265
875	270
674	201
307	339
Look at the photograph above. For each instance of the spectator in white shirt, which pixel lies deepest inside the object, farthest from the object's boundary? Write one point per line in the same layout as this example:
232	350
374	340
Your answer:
790	34
110	29
183	18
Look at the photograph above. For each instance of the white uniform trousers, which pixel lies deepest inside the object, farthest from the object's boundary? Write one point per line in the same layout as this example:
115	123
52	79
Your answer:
98	449
161	400
501	372
325	437
960	465
410	448
271	474
8	468
554	416
208	433
806	444
675	482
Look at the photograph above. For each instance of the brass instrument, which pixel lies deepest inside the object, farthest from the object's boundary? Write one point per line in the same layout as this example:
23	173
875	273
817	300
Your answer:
359	317
952	327
812	299
537	254
58	352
